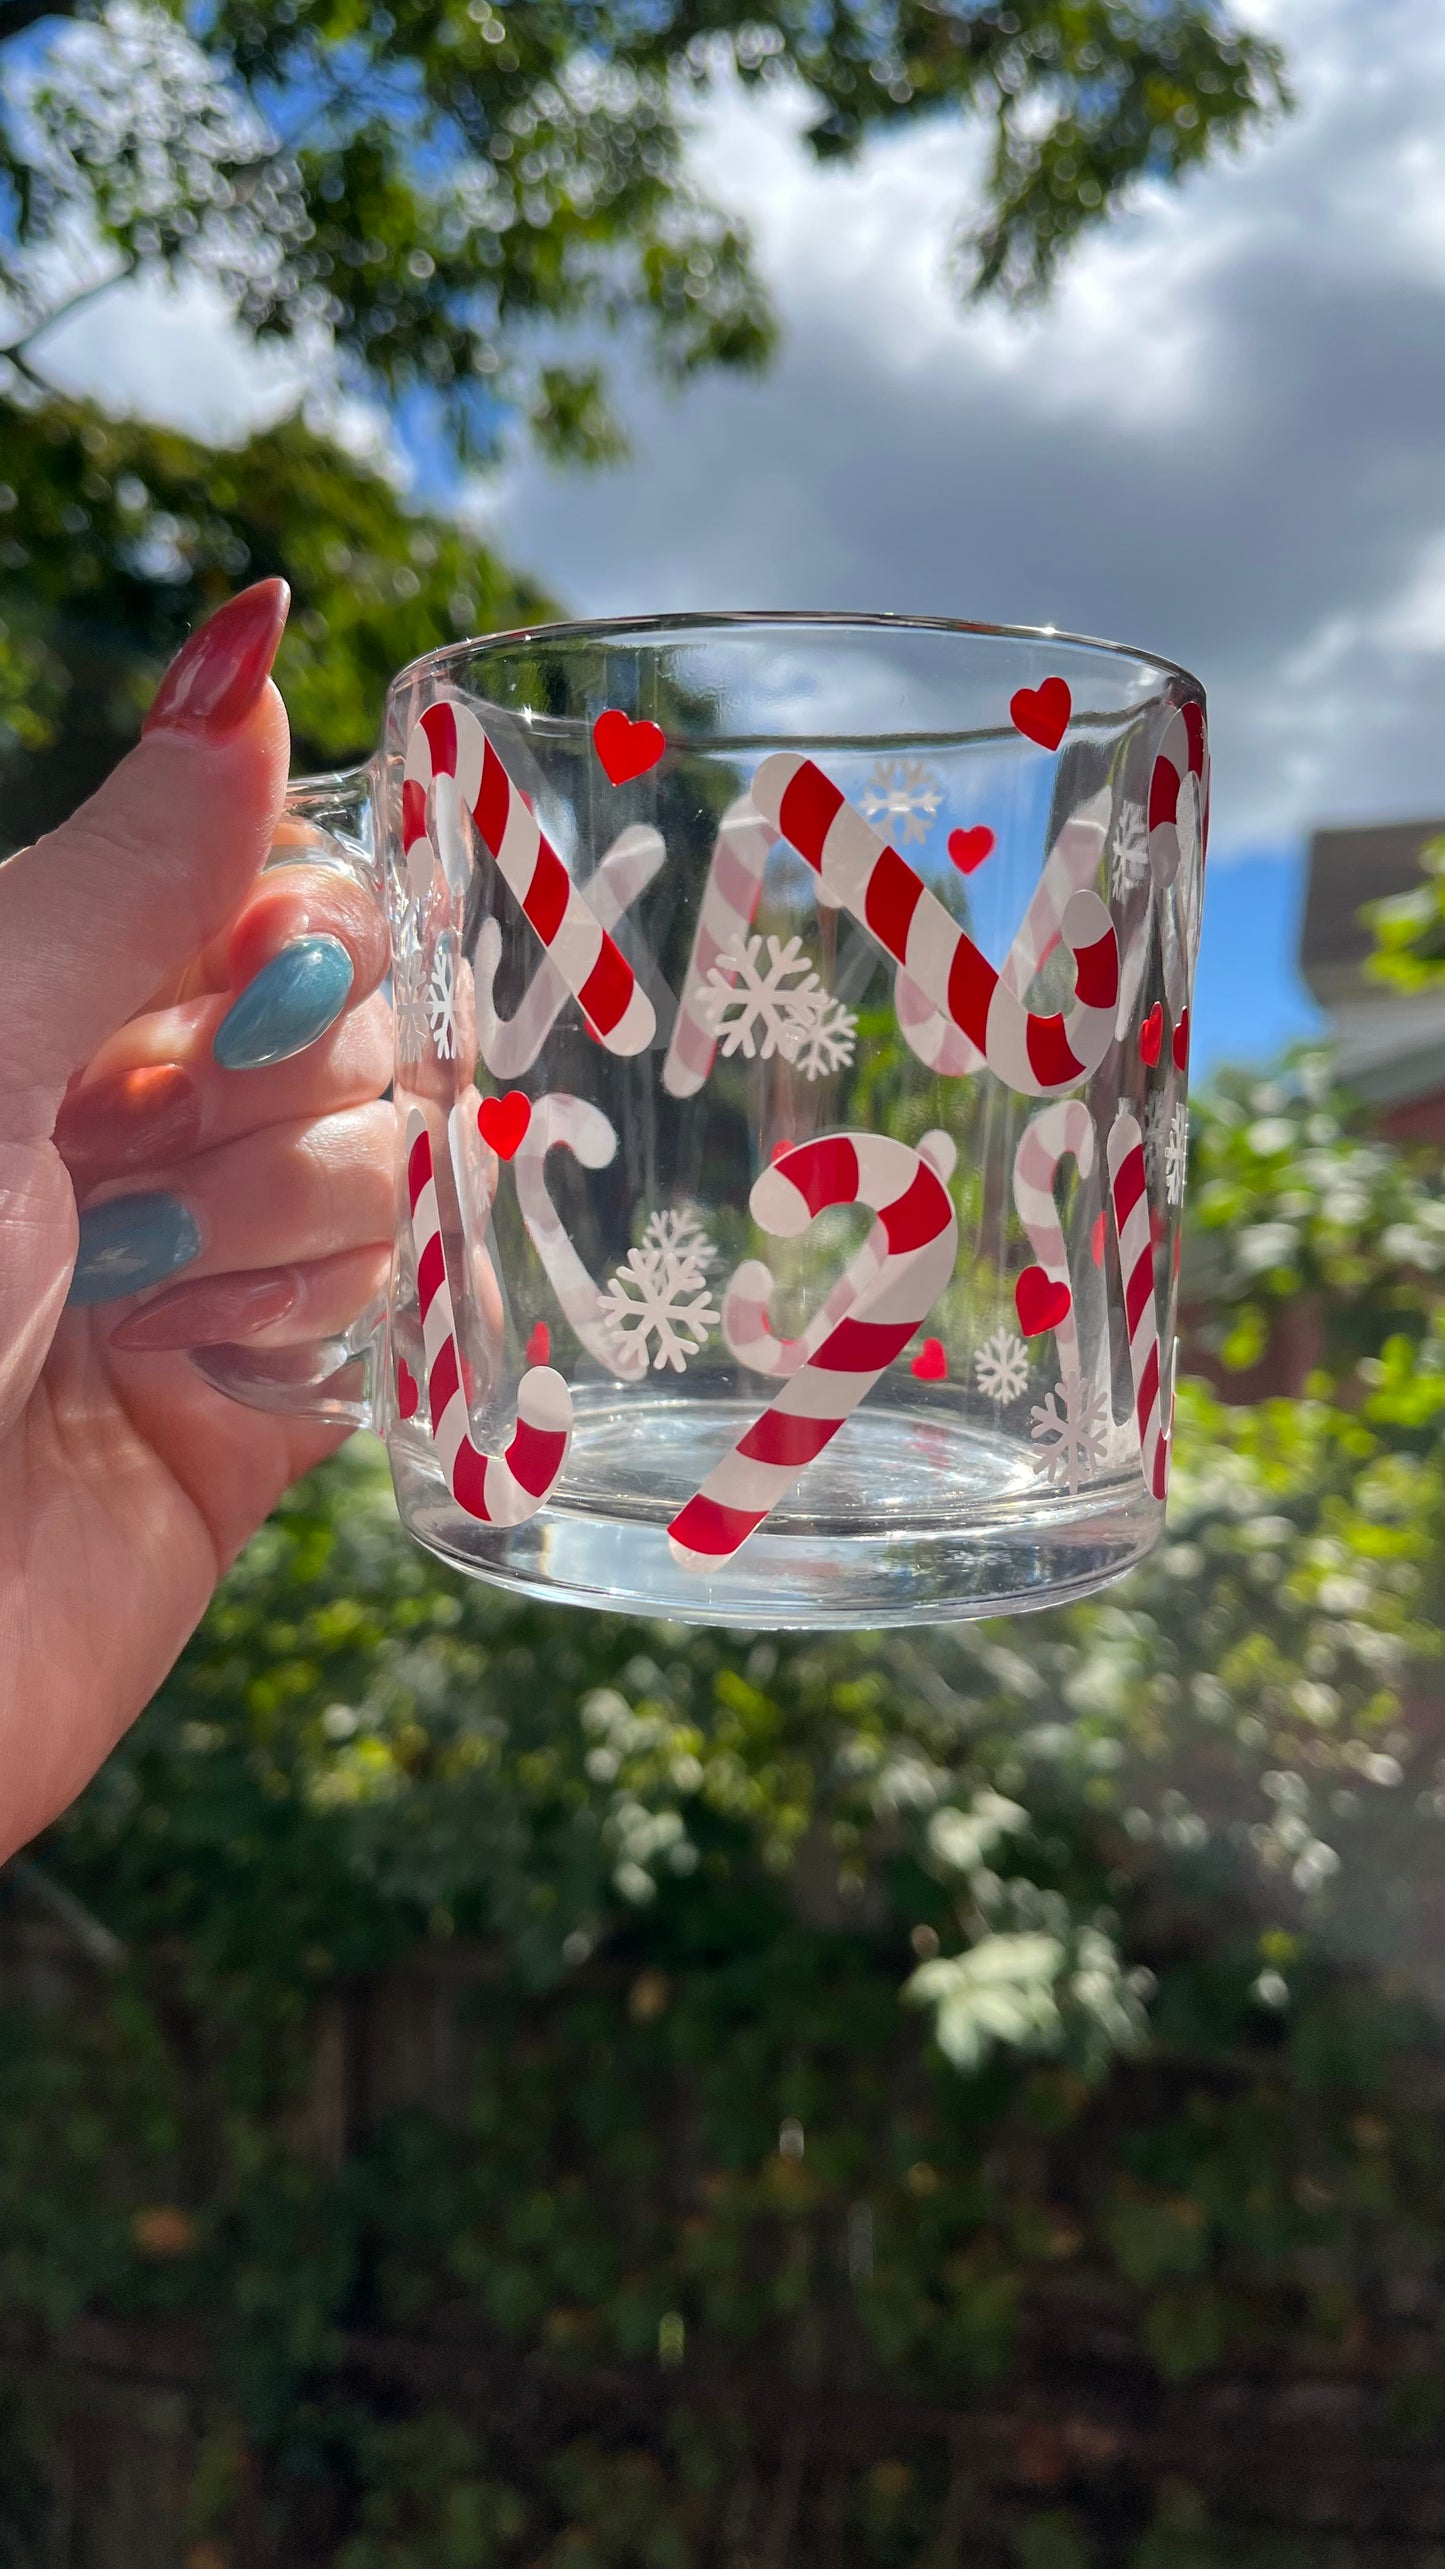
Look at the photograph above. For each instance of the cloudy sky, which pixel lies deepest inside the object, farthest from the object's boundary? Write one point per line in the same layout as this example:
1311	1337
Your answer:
1223	441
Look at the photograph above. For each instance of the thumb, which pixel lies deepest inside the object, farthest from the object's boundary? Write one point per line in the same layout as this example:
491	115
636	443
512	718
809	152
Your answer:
97	916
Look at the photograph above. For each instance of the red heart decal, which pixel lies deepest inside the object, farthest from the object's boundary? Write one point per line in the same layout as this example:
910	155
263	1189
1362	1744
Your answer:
780	1151
503	1122
930	1364
626	749
1096	1241
539	1345
1151	1036
408	1398
1042	1303
1042	713
1181	1040
1157	1227
968	848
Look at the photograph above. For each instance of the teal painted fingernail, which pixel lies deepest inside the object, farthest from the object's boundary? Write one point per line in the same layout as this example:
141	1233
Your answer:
129	1242
293	999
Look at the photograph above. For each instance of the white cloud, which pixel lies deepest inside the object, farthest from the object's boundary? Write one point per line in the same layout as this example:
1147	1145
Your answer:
1221	440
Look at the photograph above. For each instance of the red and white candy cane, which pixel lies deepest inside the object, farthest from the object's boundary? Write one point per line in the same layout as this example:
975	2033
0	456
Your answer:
920	1227
746	1328
1036	1056
1182	756
570	1123
500	1489
448	741
1064	1130
729	907
1129	1184
1072	865
511	1044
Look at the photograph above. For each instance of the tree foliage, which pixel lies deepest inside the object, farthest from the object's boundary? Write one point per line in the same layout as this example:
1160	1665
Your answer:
418	187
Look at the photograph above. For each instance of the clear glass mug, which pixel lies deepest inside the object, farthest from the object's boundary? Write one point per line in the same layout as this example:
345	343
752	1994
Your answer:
792	1022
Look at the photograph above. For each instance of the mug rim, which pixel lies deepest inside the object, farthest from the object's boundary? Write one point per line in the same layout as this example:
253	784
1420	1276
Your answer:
722	619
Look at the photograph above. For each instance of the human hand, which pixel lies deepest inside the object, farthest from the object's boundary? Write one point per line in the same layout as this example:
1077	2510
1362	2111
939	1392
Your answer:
232	1163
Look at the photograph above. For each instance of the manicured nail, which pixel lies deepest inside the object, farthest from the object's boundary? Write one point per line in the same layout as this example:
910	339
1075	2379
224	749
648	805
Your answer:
133	1119
129	1242
216	677
293	999
213	1311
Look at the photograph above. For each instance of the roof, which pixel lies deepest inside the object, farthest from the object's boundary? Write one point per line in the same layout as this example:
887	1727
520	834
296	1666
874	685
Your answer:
1346	868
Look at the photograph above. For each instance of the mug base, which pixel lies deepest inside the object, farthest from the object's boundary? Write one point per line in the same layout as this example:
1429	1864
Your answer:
907	1518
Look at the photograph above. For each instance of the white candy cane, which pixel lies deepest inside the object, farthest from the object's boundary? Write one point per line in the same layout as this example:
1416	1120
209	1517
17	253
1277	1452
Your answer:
448	741
1064	1130
1072	865
729	907
511	1044
570	1123
1034	1055
920	1230
1178	776
1129	1185
500	1489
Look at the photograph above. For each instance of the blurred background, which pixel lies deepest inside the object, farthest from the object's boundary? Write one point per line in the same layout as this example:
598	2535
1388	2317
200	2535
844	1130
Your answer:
481	2085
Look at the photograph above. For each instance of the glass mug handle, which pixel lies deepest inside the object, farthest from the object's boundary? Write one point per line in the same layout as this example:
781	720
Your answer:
326	821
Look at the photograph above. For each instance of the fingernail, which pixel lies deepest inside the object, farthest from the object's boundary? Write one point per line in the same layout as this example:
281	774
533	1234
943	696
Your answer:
129	1242
293	999
211	1312
132	1119
216	677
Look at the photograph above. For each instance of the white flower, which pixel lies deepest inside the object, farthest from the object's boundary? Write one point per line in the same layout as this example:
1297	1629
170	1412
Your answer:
904	791
662	1296
758	1008
1158	1117
1001	1367
828	1043
441	997
1073	1440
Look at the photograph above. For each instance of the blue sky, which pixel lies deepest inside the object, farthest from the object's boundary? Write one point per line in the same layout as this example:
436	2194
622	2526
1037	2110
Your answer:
1221	440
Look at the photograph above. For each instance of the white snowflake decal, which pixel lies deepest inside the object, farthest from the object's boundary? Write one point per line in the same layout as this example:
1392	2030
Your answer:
905	792
1176	1154
1001	1367
441	997
1129	857
829	1041
649	1298
1072	1440
408	992
760	1009
1158	1118
680	1235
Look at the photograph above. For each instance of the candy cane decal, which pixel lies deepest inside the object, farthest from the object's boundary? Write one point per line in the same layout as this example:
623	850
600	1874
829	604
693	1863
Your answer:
1036	1056
1136	1259
1064	1130
729	907
1183	754
448	741
500	1489
511	1044
746	1328
920	1228
570	1123
1073	863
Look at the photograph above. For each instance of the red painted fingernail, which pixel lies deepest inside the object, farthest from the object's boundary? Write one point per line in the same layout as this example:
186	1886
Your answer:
216	677
211	1312
133	1119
